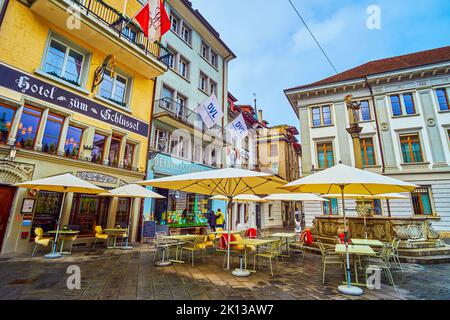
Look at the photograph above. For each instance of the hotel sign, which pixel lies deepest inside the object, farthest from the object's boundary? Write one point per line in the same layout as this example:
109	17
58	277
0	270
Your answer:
33	87
96	177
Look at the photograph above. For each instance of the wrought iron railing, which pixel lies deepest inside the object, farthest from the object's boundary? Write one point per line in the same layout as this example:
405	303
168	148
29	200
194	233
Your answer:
115	20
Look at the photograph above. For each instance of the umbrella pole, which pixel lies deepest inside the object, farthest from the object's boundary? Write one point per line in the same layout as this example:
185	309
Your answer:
230	207
347	289
54	254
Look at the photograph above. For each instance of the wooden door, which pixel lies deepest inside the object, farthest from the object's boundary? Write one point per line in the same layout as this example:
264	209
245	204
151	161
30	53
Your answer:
6	199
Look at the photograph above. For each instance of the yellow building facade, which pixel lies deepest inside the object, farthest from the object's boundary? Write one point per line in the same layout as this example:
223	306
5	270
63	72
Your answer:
76	90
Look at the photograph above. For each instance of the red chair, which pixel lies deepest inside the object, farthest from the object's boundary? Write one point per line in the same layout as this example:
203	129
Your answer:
251	233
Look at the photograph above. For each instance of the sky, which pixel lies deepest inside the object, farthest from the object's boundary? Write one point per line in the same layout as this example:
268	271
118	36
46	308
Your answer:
275	51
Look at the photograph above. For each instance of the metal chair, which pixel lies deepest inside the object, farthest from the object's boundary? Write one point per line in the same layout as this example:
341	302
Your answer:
99	235
298	246
40	240
198	245
272	253
163	245
383	265
329	257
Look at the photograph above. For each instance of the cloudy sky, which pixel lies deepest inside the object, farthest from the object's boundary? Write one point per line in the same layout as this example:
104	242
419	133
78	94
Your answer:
275	51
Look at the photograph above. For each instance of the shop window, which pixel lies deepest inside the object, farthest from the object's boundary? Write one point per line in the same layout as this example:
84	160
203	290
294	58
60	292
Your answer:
123	212
114	88
64	62
325	156
52	133
367	152
128	157
411	148
114	151
331	207
89	211
421	199
6	119
98	148
28	128
48	205
73	142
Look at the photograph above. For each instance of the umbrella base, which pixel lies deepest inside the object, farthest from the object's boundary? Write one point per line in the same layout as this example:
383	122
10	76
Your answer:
241	273
163	263
126	248
350	290
55	255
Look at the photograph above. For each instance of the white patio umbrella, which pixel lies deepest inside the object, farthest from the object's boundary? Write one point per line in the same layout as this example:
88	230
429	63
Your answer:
132	191
344	179
229	182
64	184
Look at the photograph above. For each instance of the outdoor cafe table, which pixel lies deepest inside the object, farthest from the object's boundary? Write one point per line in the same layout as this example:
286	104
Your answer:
285	237
226	232
180	239
63	233
366	242
249	242
115	233
356	250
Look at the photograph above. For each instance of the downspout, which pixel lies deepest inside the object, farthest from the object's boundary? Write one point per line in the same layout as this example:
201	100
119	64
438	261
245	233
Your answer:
3	11
224	108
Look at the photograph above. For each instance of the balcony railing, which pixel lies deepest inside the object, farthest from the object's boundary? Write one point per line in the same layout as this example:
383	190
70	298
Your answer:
184	114
117	21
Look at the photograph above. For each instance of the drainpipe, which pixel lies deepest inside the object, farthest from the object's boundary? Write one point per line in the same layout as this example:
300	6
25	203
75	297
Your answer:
383	165
3	11
225	109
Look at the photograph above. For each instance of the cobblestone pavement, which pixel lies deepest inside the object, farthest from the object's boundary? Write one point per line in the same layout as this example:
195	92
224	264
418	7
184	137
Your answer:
131	275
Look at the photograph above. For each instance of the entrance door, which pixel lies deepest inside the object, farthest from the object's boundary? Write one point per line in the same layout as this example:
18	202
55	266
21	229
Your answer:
6	199
258	216
161	204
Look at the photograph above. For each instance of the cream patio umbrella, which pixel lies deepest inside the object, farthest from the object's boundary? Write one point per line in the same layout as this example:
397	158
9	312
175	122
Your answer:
229	182
63	184
386	196
344	179
240	198
132	191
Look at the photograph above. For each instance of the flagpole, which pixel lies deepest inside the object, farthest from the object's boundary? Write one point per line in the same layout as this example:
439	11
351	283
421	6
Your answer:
124	14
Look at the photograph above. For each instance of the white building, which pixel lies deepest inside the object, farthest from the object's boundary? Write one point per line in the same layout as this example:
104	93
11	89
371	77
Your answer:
405	116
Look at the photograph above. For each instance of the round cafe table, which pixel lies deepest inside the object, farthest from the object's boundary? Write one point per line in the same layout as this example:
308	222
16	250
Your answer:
62	233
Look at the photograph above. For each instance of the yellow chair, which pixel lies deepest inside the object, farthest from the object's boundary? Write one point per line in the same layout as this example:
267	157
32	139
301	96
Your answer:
99	235
272	253
238	237
209	241
40	240
198	245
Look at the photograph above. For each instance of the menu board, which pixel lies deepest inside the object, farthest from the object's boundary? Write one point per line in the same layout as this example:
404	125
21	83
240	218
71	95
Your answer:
149	229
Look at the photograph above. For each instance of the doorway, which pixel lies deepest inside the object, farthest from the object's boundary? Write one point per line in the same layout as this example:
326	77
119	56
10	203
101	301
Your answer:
6	199
258	216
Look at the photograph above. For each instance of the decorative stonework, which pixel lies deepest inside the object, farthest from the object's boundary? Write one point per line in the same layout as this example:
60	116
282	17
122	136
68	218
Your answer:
96	177
12	172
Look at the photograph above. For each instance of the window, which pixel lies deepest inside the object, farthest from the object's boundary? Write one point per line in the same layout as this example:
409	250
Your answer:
6	119
64	62
123	212
325	156
186	34
411	148
161	141
368	152
442	99
270	210
175	23
167	98
130	32
46	214
114	88
396	106
114	151
421	199
183	68
73	142
52	133
212	88
273	150
181	106
98	148
408	100
203	82
365	113
89	211
331	207
214	59
205	51
198	153
408	107
28	128
171	56
128	156
321	116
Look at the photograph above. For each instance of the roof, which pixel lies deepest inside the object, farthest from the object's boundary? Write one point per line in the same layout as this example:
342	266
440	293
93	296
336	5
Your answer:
407	61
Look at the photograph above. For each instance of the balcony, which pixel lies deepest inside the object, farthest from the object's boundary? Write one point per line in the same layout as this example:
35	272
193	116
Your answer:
178	116
101	25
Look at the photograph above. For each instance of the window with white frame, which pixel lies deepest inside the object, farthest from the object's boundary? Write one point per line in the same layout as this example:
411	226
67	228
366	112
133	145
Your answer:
171	58
214	59
321	116
64	62
161	140
203	83
365	114
175	22
198	153
403	104
205	51
186	33
212	87
443	101
183	67
115	87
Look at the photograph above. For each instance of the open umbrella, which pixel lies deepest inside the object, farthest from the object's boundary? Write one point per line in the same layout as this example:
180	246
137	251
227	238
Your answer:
385	196
344	179
62	183
132	191
241	198
229	182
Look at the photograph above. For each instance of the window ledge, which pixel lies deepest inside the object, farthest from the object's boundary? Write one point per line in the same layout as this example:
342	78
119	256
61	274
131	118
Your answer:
444	111
111	103
61	81
320	127
366	121
406	116
417	165
209	62
203	91
187	43
178	74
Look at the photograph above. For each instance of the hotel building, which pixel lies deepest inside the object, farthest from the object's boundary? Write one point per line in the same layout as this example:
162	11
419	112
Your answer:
56	116
405	116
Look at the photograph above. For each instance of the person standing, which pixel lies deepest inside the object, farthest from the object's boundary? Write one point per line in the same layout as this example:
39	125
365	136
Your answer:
212	220
220	219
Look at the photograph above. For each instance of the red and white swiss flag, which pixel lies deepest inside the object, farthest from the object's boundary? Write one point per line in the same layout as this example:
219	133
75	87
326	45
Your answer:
153	19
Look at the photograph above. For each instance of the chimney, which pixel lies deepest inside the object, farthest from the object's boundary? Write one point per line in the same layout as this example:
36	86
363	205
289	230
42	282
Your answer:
260	116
